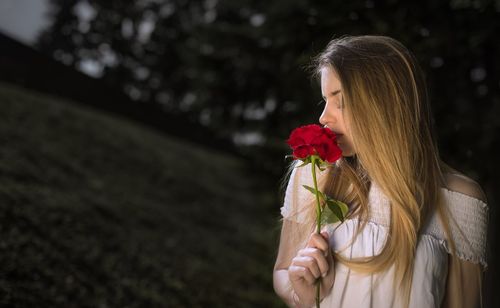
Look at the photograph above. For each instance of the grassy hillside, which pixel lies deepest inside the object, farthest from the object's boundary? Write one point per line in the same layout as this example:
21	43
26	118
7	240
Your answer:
96	211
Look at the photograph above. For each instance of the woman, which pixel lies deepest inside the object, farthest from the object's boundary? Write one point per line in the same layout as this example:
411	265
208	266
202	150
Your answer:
415	235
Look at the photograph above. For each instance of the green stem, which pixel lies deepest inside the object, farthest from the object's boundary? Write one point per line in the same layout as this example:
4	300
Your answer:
318	206
318	216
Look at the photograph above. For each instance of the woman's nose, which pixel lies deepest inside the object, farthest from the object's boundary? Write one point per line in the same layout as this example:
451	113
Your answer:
322	120
325	117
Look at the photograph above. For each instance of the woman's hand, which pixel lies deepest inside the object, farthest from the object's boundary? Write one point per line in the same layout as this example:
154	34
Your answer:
313	262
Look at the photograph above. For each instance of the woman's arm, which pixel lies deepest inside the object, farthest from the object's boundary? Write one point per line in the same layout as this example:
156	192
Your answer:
463	285
286	252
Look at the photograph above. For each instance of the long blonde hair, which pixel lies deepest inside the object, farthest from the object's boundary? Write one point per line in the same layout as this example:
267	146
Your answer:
389	119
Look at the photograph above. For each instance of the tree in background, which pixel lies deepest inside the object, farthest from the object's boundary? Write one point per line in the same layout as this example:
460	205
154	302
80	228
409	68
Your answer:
238	66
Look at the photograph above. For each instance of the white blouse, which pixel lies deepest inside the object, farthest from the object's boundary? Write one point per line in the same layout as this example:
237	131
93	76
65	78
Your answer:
352	289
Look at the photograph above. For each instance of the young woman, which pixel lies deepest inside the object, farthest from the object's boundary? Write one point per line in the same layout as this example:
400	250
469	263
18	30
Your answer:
415	235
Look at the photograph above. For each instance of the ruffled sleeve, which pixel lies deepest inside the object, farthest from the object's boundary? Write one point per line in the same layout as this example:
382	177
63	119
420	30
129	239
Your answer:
296	197
468	219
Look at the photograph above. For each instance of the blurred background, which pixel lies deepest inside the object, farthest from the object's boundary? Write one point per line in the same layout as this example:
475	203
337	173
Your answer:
143	141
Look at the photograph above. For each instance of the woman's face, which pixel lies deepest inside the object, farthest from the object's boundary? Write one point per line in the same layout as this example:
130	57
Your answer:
333	115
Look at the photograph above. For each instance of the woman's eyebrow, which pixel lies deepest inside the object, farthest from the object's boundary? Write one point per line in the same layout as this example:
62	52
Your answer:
333	93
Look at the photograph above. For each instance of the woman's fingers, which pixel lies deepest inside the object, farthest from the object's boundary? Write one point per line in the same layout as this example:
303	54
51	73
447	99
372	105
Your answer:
319	241
299	273
310	263
319	259
325	235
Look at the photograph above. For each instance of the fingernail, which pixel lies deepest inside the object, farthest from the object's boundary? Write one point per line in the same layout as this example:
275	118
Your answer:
324	274
326	253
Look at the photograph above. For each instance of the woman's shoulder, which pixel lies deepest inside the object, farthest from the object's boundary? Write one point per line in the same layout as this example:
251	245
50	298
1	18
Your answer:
460	183
465	201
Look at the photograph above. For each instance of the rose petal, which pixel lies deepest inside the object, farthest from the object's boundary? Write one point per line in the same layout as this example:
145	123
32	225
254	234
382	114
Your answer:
303	151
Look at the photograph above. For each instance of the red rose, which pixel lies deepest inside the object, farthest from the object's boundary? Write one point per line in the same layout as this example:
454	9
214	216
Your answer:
314	140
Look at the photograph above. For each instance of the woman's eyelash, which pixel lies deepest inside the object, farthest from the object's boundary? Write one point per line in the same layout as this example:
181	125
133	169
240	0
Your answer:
339	104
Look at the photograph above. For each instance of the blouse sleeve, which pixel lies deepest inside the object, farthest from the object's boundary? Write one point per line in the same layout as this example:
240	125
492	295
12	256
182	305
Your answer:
297	197
468	220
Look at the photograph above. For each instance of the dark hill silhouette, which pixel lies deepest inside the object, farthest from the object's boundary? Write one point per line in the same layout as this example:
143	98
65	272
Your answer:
97	211
27	67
